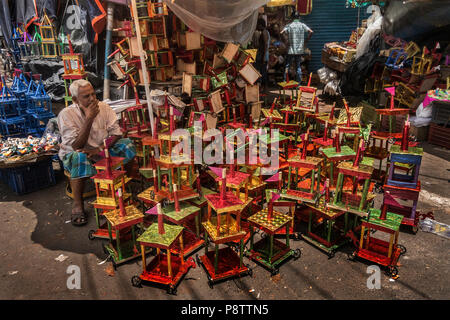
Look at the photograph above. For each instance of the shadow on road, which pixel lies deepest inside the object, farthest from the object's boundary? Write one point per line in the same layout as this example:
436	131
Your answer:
52	208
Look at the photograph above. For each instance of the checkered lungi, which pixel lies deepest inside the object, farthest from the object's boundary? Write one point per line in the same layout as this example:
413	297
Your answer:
79	166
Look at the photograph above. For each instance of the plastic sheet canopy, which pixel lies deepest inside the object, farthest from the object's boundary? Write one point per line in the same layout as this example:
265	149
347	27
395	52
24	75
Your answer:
220	20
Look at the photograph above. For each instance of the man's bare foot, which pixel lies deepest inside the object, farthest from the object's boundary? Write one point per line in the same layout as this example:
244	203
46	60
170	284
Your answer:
78	217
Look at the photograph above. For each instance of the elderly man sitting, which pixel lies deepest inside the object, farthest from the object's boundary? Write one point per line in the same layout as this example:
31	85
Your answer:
84	126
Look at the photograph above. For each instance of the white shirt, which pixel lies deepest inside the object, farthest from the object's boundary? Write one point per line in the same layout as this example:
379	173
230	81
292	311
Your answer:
71	120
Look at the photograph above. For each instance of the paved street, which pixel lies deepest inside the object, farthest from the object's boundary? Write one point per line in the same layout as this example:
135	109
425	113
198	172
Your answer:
34	232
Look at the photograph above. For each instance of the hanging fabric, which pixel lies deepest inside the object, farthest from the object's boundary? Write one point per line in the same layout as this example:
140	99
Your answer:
26	12
49	6
5	21
225	21
304	7
77	24
96	14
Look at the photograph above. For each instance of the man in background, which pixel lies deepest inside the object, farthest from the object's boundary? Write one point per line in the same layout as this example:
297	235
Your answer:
295	32
262	56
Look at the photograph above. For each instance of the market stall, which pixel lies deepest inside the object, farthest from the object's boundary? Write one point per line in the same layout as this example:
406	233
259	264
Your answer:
185	95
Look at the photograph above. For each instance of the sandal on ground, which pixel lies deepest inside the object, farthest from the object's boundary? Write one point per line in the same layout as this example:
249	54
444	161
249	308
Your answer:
78	218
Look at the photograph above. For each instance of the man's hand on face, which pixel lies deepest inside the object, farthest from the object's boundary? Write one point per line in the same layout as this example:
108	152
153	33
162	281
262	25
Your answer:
87	100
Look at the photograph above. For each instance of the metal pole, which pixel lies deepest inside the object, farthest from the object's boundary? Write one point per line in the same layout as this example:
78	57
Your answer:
143	64
357	26
109	29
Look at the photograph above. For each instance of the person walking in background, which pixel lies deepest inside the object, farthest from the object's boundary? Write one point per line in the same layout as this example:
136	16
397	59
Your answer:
262	56
296	38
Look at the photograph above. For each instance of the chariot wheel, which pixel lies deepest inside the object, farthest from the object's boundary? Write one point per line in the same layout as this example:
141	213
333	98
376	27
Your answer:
392	271
402	248
250	271
331	254
104	249
136	282
378	188
351	256
91	234
171	290
297	254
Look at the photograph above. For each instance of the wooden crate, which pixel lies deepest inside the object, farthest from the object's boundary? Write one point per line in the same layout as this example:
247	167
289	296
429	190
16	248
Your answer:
332	64
211	121
441	112
187	83
256	109
421	133
229	51
218	61
369	114
252	93
190	68
193	41
134	47
216	101
397	125
249	73
439	135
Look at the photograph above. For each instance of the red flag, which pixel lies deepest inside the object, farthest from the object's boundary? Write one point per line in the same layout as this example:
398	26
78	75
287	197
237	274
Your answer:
391	90
217	171
388	199
275	196
275	177
265	121
153	210
177	112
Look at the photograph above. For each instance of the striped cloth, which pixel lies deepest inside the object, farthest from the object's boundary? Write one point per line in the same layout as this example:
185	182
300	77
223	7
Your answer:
79	166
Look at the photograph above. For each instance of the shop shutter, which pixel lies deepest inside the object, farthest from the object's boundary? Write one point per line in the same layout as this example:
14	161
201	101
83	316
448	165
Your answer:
331	21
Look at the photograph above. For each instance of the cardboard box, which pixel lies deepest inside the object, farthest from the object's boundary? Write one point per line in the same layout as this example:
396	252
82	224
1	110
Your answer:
252	93
193	41
439	135
369	114
421	133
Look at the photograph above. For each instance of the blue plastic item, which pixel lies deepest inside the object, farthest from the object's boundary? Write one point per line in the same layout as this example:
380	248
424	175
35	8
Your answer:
29	178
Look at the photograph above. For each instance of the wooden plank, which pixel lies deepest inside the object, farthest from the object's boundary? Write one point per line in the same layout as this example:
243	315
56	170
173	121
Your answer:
218	61
252	93
216	101
193	41
187	83
211	122
229	51
256	109
190	67
249	73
